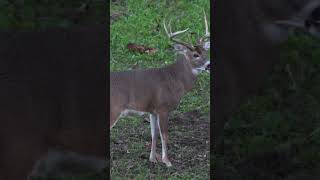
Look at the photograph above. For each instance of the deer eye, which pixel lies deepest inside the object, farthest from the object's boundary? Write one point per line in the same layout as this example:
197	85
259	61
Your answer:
195	55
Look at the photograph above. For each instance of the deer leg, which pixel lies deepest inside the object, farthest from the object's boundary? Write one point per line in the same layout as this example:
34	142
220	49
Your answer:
163	126
114	117
154	134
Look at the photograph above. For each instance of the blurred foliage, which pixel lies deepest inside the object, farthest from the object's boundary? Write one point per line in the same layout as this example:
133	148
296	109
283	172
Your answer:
30	14
276	134
38	14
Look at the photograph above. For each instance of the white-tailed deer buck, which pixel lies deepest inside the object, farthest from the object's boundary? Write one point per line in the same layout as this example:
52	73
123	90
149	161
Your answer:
158	91
246	35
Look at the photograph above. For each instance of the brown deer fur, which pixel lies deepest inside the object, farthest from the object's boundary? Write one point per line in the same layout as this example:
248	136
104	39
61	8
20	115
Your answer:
155	91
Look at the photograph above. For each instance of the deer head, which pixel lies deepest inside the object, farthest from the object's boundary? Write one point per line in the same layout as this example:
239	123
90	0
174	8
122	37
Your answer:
196	55
307	20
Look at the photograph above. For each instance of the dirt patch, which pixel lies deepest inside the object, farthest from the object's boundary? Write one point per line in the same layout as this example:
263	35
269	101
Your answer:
189	145
191	132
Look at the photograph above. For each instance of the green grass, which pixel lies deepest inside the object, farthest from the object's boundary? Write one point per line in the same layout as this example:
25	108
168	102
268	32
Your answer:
276	133
141	23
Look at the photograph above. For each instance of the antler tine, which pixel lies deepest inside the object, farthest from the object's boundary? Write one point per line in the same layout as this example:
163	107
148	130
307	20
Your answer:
165	28
172	35
206	24
170	26
207	33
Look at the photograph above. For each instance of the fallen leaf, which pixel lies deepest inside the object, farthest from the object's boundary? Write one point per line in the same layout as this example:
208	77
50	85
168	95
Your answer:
141	48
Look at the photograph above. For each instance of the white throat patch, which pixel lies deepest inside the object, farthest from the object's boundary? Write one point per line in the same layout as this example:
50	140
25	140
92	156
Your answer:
198	70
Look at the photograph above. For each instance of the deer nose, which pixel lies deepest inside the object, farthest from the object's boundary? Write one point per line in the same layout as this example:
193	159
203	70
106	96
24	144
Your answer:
208	66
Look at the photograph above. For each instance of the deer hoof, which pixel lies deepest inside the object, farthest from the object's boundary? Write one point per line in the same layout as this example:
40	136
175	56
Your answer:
156	158
167	162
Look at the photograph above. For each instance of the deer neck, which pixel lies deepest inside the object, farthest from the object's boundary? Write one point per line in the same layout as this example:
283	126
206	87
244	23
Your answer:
181	74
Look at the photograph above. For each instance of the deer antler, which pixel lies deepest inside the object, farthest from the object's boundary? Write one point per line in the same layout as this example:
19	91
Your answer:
171	35
207	33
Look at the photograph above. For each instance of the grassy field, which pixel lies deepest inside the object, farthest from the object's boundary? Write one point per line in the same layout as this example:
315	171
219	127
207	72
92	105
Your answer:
140	22
276	134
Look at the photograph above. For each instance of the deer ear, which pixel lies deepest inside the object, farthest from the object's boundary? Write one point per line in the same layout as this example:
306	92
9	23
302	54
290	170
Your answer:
180	48
206	45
